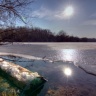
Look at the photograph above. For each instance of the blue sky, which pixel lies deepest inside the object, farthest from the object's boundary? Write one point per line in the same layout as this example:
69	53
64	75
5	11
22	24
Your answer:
48	14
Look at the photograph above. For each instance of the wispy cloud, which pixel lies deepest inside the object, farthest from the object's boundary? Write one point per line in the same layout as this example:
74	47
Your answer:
90	22
45	13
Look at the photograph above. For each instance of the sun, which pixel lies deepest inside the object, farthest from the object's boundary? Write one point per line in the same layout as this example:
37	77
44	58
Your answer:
69	11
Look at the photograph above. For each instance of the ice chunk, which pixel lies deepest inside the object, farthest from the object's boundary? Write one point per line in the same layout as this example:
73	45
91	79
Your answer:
1	59
4	66
13	71
18	73
27	77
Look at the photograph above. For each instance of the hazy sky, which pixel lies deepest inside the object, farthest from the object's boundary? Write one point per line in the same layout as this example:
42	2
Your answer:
49	14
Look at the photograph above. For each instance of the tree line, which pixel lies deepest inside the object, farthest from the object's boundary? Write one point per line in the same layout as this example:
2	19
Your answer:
25	34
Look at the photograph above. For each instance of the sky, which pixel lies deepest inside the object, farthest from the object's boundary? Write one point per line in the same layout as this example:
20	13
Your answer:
49	14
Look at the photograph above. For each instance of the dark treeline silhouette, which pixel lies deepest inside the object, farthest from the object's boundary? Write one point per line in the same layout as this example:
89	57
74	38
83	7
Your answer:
24	34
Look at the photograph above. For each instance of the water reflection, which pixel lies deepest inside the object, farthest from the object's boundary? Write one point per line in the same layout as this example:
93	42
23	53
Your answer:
67	71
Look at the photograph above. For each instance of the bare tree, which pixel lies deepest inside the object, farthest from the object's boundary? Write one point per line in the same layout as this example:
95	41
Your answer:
10	10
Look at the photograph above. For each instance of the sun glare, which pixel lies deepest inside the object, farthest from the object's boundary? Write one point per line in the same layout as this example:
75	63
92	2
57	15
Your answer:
67	71
69	11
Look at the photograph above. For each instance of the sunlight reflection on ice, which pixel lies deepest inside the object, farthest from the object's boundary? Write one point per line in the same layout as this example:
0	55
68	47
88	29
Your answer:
69	54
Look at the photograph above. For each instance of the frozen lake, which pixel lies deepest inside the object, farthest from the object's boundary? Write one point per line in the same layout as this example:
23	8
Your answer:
51	59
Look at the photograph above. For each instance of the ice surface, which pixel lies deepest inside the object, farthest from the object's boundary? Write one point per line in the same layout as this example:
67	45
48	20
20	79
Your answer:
82	54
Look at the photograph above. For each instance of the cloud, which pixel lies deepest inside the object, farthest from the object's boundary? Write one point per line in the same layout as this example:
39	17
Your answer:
90	22
93	15
45	13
